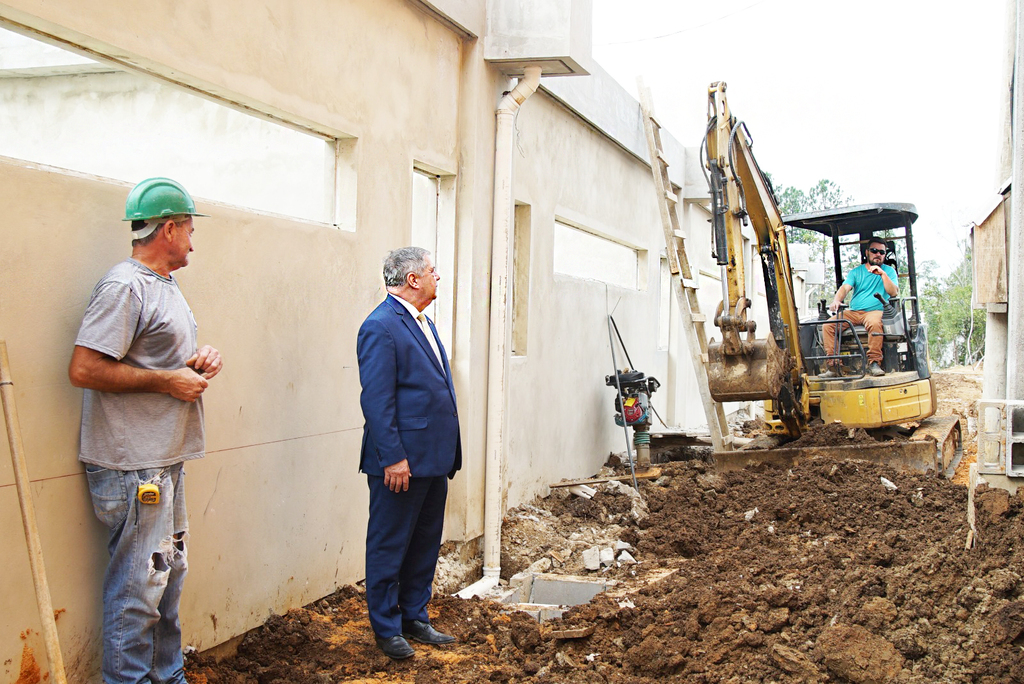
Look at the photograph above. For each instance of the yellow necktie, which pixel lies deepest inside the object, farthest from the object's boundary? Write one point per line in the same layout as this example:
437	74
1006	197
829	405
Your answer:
430	338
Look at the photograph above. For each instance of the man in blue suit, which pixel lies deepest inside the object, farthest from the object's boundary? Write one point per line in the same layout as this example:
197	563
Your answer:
411	448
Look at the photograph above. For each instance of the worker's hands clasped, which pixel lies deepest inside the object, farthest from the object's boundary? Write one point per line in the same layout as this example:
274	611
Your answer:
206	362
186	384
396	476
189	383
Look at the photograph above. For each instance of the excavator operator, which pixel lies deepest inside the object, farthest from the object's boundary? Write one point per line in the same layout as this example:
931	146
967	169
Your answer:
871	278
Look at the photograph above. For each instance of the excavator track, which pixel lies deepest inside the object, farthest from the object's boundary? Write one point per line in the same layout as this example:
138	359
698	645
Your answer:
936	446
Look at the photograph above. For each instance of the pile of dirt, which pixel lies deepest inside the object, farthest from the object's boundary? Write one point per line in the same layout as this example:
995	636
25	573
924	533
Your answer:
832	434
820	572
814	573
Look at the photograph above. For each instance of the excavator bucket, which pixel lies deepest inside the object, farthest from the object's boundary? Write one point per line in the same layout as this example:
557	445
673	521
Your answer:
757	374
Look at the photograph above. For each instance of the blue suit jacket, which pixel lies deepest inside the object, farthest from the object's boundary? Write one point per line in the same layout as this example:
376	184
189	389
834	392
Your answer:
407	401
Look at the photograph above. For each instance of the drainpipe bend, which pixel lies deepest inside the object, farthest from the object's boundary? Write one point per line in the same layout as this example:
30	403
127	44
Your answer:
501	310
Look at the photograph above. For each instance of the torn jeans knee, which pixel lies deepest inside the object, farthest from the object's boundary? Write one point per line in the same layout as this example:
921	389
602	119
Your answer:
171	554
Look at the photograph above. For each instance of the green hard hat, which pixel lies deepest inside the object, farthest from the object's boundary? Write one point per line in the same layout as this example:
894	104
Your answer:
156	198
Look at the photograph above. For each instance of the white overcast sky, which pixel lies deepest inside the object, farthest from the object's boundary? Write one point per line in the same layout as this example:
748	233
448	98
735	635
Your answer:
893	100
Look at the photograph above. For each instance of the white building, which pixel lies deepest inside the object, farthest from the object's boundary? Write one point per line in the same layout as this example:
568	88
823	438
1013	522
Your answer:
319	136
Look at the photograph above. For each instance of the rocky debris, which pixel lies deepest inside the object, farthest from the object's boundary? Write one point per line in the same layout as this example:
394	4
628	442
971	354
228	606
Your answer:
592	558
541	565
626	558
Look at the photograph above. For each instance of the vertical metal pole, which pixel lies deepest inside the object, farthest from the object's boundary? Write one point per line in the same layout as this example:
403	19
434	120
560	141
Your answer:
618	388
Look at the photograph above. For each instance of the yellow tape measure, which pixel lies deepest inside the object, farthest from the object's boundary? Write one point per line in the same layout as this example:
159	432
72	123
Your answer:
149	493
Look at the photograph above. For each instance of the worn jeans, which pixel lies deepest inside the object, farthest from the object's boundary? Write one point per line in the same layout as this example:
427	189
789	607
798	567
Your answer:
142	585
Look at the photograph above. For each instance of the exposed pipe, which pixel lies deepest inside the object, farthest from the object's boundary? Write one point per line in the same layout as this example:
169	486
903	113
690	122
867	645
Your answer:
501	313
1015	255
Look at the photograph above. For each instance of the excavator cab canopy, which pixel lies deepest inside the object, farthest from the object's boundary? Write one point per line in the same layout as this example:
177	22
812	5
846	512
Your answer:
857	225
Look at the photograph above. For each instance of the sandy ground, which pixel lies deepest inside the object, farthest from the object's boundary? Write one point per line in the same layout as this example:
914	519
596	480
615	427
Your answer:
824	572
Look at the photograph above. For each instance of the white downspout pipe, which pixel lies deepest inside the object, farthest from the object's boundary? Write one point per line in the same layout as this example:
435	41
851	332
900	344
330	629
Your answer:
500	328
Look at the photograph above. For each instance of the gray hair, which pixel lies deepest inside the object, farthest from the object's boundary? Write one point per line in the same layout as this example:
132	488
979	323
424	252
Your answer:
144	232
401	262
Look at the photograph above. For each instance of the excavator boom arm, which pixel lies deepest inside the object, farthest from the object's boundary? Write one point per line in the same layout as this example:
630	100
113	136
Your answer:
741	367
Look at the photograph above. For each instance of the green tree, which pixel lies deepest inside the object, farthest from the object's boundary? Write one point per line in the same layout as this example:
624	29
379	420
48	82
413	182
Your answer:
956	332
824	194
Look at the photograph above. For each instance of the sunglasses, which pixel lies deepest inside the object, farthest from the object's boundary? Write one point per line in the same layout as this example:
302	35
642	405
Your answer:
877	251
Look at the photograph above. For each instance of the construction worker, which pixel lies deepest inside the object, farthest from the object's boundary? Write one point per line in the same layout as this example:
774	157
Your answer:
871	278
411	448
138	359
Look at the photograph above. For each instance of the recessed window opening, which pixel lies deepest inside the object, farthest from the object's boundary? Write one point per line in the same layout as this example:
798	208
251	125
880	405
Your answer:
433	228
520	278
581	254
664	304
60	109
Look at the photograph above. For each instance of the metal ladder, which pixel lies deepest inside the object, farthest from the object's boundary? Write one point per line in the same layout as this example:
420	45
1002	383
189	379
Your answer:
683	284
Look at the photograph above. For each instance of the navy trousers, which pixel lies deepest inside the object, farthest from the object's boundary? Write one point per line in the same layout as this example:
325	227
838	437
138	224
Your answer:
403	538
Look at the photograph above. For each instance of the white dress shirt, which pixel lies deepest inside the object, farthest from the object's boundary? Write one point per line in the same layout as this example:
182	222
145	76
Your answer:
424	327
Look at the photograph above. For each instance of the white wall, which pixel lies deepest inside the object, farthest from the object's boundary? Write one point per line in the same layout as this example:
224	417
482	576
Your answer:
277	510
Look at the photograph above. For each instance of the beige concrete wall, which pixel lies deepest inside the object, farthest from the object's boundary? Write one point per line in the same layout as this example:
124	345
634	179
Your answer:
277	509
561	412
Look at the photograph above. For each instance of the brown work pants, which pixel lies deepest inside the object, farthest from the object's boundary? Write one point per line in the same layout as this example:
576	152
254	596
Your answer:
872	322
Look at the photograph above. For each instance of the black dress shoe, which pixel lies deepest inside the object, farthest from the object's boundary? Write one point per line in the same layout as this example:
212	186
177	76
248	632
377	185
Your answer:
425	634
396	648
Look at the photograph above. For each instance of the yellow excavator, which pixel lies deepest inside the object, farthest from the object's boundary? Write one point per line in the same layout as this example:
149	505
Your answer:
785	368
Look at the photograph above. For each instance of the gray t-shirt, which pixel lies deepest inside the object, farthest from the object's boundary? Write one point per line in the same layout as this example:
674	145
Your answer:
139	318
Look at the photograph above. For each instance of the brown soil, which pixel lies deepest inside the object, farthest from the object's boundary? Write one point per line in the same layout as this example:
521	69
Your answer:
815	573
833	434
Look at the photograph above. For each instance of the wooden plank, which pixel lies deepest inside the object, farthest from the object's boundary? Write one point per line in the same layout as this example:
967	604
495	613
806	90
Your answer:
651	474
989	261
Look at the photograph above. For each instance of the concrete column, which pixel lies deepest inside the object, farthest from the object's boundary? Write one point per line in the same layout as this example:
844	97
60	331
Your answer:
1015	254
995	355
1006	104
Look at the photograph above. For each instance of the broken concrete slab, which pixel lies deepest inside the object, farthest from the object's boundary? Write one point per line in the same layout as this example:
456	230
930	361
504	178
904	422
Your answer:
592	558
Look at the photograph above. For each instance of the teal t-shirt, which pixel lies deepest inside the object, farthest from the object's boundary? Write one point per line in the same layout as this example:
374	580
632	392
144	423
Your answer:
865	285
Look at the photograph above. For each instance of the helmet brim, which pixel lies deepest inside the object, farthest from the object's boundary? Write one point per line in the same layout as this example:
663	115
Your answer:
150	218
